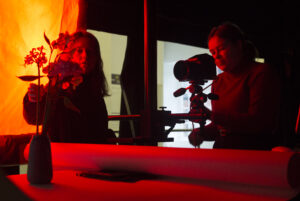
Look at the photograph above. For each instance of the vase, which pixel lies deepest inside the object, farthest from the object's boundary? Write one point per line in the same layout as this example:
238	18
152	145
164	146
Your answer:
39	160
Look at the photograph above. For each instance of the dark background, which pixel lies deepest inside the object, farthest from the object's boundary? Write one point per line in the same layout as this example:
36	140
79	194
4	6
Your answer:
273	26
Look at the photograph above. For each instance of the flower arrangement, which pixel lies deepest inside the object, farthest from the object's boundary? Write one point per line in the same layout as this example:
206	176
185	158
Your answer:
64	75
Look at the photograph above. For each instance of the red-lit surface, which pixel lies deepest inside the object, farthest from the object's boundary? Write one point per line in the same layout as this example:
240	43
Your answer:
261	168
210	175
67	186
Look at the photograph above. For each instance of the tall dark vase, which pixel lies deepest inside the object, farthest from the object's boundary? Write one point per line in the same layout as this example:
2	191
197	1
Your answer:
39	160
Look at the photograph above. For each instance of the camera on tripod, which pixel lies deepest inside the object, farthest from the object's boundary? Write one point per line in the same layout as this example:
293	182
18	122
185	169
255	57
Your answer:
196	70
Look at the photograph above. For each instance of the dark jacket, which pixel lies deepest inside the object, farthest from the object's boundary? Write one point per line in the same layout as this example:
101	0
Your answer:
246	115
90	125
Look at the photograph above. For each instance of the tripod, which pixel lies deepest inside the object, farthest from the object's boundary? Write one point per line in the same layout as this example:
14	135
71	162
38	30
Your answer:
197	100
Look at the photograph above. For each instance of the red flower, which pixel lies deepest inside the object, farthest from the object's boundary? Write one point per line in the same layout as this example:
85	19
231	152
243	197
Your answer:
65	85
62	42
36	55
63	69
62	72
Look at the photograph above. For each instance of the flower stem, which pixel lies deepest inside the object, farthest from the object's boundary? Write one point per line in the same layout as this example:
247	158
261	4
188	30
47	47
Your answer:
47	110
48	102
38	101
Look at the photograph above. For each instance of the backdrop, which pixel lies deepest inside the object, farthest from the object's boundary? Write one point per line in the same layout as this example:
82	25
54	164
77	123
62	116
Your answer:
23	23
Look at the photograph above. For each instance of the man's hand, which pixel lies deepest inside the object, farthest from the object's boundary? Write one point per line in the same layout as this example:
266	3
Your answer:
33	92
195	138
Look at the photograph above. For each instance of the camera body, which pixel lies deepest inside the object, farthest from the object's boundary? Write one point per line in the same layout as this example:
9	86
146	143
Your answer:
197	68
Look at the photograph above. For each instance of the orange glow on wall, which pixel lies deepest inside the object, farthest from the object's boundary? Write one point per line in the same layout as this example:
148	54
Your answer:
23	23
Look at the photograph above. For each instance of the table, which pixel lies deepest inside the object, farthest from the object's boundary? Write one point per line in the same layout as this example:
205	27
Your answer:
66	185
175	174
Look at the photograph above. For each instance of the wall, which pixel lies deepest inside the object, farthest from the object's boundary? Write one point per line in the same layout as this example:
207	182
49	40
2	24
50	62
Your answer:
112	47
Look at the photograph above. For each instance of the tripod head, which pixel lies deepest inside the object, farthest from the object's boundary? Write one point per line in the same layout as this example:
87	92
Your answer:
197	100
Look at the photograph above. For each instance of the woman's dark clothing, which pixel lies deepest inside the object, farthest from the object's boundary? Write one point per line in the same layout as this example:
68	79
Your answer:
89	125
246	114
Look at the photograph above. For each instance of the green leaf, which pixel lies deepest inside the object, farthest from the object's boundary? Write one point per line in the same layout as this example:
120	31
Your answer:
48	42
29	78
47	39
68	104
